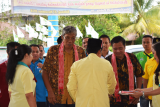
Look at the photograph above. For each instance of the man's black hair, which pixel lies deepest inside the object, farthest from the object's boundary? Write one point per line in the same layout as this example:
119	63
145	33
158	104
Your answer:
59	40
105	36
85	38
41	45
147	36
34	45
94	45
118	39
12	45
92	50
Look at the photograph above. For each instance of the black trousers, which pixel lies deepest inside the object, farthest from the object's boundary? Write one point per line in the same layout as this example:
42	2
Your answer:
63	105
47	103
123	105
41	104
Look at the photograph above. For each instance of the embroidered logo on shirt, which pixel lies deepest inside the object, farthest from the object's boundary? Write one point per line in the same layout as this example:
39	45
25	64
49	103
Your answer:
150	66
40	71
141	59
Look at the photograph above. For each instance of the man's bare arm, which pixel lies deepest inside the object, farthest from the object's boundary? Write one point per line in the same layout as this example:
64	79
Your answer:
145	82
51	96
139	82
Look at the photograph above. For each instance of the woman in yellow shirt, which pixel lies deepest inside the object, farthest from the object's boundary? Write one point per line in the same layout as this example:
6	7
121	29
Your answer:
20	78
155	90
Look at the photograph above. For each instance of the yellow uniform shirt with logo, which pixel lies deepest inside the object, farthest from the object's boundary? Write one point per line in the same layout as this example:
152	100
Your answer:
23	83
150	67
156	98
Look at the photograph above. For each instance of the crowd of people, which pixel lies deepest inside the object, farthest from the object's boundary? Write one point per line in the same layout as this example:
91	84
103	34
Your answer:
87	76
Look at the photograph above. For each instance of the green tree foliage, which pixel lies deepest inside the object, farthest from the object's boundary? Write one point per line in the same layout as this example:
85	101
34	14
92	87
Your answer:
103	24
139	40
143	20
33	22
152	19
7	36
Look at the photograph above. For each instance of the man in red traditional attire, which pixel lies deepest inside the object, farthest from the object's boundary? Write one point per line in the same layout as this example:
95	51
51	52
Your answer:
4	95
126	67
56	68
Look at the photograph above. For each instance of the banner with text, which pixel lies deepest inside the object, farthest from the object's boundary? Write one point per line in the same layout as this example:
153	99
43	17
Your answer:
71	7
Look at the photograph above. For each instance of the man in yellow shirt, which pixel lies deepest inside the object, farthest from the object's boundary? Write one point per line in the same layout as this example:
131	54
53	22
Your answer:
143	57
149	69
91	79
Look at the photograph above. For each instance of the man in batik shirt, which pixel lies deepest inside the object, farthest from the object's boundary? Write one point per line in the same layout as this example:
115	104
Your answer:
126	66
57	65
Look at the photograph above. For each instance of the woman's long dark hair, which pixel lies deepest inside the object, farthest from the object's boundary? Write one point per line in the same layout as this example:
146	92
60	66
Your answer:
156	47
15	56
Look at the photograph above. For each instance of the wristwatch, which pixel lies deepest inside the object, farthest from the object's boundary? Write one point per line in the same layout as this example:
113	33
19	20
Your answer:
143	94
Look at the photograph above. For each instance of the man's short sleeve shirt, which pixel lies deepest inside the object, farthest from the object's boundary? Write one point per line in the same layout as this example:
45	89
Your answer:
142	58
40	87
51	66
